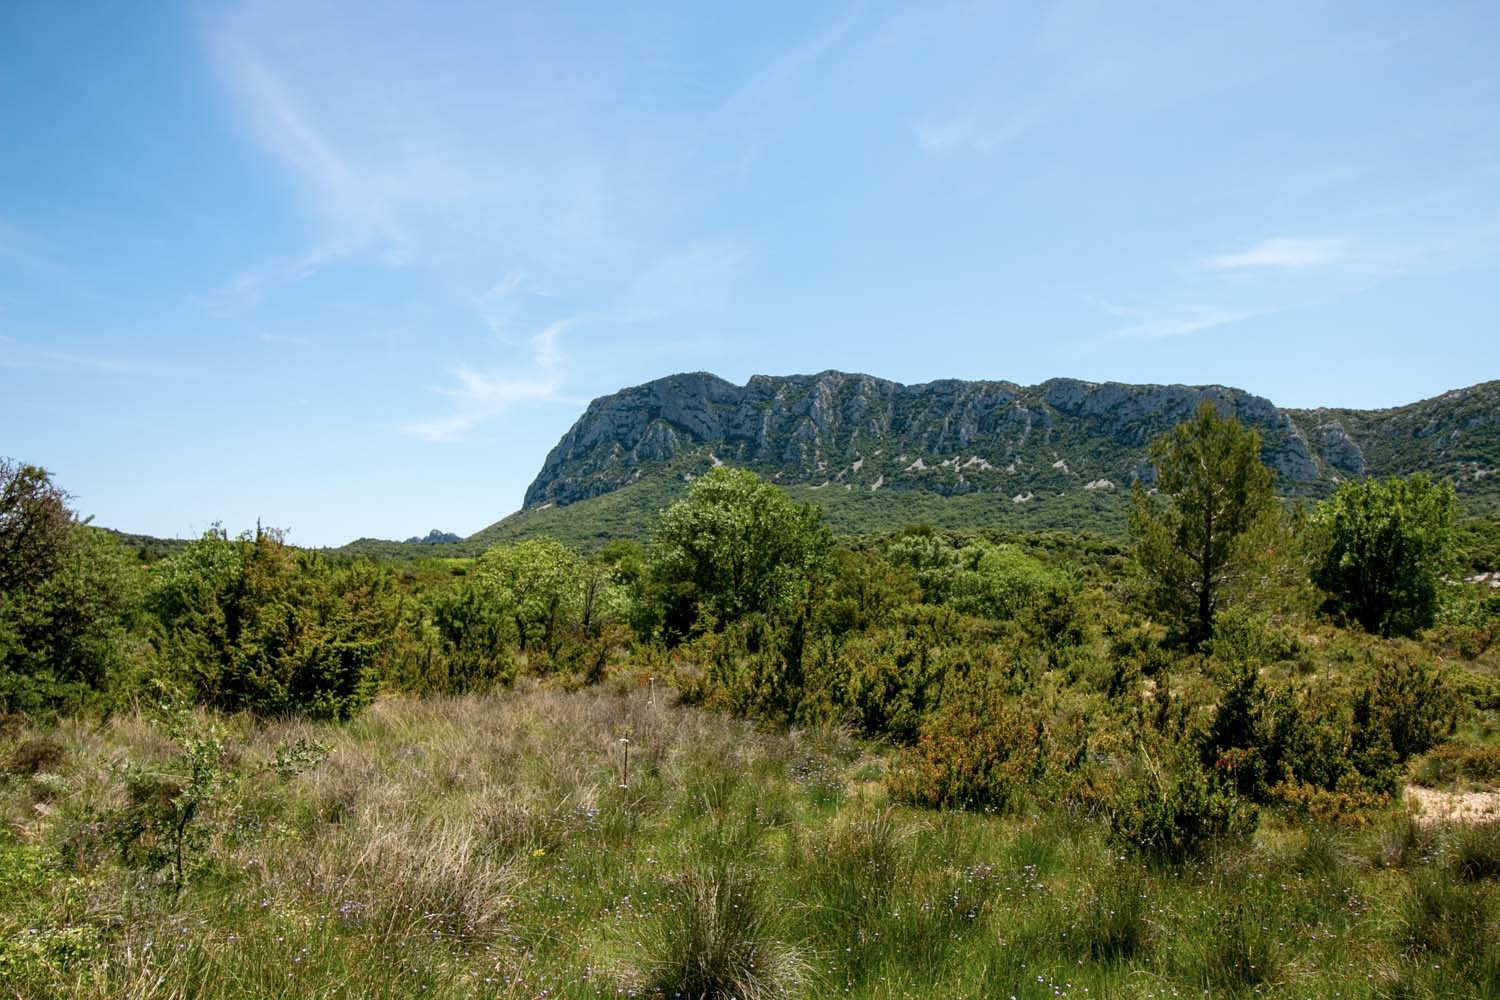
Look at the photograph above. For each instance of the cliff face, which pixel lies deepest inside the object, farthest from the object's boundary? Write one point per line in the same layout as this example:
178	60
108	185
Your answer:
951	436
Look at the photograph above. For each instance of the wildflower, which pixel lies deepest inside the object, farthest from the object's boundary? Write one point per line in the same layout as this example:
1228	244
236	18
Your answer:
538	852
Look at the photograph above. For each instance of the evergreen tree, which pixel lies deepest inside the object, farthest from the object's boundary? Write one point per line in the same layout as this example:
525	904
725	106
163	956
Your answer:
1215	490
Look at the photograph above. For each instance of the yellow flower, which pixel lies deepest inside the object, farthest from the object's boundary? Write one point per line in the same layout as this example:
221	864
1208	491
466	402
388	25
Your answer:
538	852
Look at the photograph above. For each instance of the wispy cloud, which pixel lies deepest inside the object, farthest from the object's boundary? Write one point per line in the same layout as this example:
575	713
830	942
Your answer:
1169	321
969	132
547	352
538	373
370	182
109	365
499	304
479	396
1281	253
482	396
357	207
942	135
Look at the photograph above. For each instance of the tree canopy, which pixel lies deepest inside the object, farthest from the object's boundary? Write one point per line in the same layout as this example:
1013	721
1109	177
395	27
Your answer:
1215	489
35	525
736	545
65	595
1385	545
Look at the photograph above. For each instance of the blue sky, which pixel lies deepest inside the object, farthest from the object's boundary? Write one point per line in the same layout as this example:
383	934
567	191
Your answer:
354	268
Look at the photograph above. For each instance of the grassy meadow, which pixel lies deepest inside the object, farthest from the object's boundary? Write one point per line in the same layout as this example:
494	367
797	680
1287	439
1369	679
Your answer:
490	846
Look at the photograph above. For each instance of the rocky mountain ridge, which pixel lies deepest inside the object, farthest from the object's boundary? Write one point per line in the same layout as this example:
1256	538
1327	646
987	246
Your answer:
850	432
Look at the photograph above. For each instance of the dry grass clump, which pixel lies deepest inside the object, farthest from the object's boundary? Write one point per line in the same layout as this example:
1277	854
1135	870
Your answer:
423	873
1476	851
714	937
34	754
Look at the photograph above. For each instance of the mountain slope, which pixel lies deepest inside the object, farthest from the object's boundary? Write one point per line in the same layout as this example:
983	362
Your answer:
877	454
947	437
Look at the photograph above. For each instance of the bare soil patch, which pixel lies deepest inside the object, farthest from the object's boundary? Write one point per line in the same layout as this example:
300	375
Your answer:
1433	806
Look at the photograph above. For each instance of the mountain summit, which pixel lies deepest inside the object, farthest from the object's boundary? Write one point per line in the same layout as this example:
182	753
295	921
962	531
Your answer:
860	433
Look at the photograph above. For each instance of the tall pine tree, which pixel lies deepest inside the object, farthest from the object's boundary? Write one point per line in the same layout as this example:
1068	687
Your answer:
1211	489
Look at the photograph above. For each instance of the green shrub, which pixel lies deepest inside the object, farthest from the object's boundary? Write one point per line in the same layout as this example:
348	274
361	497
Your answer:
476	641
253	624
746	667
166	822
982	749
1452	763
1476	691
1410	702
64	642
1266	737
885	681
1326	807
1171	819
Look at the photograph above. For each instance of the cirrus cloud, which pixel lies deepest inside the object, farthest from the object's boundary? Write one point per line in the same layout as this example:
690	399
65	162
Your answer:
1281	252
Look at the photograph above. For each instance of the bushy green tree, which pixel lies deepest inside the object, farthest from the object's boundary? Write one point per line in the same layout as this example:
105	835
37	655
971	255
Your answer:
863	593
735	546
1385	545
67	593
476	639
1212	490
931	558
1001	581
253	624
974	576
884	680
536	605
539	585
35	526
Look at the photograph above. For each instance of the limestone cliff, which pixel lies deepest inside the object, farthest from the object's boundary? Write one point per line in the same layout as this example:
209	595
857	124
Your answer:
950	436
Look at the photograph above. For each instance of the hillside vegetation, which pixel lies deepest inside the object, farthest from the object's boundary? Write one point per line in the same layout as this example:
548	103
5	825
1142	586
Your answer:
630	513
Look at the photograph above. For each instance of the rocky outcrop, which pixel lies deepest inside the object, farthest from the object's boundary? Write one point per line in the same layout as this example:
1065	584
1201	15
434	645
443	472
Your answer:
954	436
434	537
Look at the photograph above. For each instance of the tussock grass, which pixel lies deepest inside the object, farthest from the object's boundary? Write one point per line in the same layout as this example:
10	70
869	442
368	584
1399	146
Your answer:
714	938
1476	851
